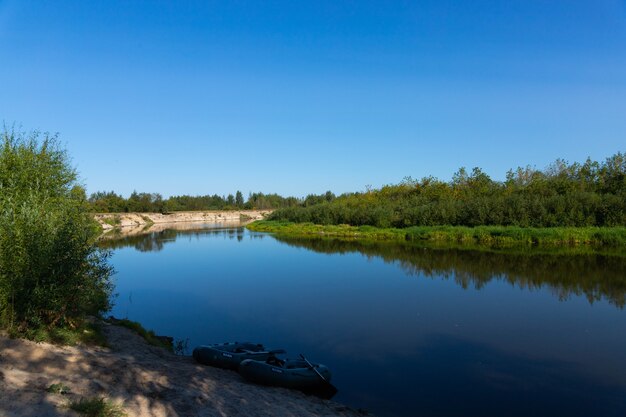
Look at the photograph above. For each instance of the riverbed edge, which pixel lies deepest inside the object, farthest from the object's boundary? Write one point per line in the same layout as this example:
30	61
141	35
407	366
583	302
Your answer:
479	236
143	379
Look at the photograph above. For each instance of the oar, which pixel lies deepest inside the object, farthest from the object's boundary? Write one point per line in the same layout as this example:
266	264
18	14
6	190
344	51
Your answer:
330	388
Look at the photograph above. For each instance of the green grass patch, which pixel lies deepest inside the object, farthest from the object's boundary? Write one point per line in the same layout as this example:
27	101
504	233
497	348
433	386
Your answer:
148	335
114	220
97	407
505	236
148	220
244	217
58	388
487	236
341	231
88	333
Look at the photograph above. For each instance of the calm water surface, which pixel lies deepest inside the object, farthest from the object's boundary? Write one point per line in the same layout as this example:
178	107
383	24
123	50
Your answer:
407	331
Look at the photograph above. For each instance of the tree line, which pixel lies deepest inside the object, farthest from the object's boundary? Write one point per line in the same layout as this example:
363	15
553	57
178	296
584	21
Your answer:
53	275
110	202
588	194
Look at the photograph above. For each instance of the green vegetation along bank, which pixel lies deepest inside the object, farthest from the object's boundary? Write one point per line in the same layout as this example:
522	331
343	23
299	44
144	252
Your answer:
563	195
489	236
52	274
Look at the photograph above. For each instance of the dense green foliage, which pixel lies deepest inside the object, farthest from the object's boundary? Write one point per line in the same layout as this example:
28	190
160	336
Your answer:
86	332
110	202
563	195
490	236
51	273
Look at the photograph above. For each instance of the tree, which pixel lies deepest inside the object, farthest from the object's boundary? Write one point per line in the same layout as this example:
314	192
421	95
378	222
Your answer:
51	272
103	202
239	199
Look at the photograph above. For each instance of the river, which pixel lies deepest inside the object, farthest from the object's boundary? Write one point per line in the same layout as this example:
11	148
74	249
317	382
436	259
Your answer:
406	330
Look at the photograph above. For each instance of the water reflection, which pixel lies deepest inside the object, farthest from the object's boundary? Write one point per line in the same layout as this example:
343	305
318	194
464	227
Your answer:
595	276
154	238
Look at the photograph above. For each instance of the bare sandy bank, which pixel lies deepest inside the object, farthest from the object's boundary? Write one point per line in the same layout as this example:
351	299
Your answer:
112	220
148	381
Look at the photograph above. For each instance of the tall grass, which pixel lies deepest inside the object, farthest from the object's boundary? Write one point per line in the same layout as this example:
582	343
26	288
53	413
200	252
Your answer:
490	236
148	335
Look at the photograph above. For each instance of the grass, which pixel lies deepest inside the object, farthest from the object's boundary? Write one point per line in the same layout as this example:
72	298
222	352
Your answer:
148	335
148	220
88	333
114	221
342	231
97	407
58	388
487	236
505	236
244	217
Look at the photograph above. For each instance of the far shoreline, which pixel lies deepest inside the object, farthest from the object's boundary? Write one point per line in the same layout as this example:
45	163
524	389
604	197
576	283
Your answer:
111	221
481	236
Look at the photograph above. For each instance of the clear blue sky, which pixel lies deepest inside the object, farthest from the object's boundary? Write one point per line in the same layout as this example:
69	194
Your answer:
184	97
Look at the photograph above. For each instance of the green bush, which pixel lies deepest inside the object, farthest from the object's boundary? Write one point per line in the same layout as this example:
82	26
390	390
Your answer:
51	273
592	194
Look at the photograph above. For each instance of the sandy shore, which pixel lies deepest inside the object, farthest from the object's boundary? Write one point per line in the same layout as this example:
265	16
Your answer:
148	381
122	220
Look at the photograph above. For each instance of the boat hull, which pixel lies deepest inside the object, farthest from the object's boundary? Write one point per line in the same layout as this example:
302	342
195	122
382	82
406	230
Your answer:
293	374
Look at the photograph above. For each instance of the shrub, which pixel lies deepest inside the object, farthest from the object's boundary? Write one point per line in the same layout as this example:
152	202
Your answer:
51	272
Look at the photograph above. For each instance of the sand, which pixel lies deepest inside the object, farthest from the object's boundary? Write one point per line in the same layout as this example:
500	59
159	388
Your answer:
124	220
147	380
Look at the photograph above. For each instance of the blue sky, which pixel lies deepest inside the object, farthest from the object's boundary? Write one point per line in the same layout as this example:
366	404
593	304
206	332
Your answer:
203	97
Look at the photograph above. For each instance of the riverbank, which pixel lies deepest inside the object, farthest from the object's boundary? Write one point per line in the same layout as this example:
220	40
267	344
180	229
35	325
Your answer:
109	221
487	236
144	380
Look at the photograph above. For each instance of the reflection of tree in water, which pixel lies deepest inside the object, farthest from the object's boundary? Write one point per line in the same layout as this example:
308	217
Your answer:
596	276
155	241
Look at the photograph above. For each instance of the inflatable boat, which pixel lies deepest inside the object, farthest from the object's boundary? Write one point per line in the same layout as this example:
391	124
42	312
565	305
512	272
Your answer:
289	373
230	355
